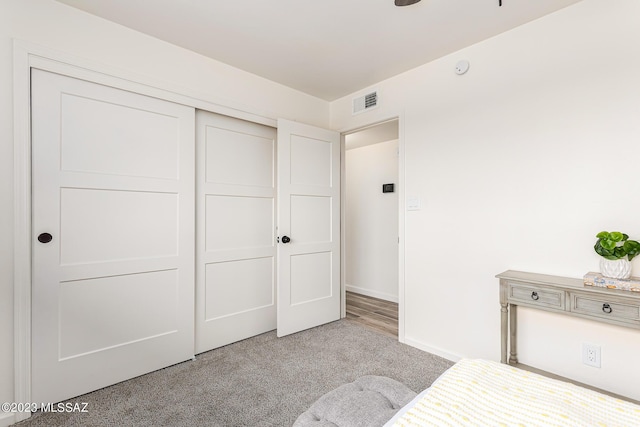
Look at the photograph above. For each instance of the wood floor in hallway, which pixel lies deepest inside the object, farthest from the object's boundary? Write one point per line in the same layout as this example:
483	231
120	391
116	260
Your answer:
373	313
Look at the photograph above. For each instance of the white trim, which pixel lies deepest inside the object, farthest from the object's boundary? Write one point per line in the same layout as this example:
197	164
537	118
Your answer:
21	228
59	62
343	222
401	228
7	419
371	293
27	55
433	350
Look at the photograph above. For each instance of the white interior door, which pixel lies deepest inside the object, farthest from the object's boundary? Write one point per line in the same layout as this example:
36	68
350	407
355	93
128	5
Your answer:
113	244
308	226
235	291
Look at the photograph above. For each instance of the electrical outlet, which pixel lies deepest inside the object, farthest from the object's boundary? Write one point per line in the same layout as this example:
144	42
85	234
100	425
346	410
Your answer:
591	355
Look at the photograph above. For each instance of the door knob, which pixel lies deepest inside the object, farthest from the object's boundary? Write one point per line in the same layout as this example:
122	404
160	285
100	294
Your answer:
286	239
45	237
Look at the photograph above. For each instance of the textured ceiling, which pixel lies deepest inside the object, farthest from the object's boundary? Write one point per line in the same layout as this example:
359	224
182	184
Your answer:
326	48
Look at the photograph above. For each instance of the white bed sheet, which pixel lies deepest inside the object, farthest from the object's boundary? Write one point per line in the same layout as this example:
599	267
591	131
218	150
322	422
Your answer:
483	393
405	408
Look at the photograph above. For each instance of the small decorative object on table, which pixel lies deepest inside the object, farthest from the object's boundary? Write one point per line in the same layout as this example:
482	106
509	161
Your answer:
598	280
616	251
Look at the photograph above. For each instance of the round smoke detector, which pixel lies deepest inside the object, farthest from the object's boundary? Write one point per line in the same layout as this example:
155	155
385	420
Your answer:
462	67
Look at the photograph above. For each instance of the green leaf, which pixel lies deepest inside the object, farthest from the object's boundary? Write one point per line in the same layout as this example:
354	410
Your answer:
619	252
616	236
608	244
603	235
632	248
624	237
602	251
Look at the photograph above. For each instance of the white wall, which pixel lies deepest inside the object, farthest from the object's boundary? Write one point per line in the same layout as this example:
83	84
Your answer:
372	220
518	164
56	26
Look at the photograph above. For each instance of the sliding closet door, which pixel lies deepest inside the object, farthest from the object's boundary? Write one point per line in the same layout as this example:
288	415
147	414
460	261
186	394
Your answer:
113	242
235	261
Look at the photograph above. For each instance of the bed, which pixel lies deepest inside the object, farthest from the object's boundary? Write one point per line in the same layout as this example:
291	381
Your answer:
472	393
483	393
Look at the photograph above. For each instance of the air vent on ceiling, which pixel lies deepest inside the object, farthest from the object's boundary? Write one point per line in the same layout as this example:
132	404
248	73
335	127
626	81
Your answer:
365	102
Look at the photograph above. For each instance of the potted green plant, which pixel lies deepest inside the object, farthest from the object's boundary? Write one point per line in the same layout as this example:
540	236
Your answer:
616	251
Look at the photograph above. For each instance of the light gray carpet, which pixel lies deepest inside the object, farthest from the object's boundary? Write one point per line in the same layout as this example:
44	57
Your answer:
261	381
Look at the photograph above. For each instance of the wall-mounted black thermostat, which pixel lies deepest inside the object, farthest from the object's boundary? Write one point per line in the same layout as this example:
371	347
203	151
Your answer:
387	188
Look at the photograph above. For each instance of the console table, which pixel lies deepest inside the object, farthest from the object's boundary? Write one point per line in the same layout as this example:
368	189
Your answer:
560	295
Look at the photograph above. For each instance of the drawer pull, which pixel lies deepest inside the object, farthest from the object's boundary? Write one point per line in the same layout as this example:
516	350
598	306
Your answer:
607	308
535	296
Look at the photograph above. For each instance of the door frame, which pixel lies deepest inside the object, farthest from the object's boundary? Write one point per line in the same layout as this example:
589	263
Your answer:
26	56
399	116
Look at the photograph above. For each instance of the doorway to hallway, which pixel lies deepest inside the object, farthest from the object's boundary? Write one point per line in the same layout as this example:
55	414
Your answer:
372	225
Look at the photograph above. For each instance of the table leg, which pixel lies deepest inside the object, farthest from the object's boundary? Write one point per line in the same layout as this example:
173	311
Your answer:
504	330
513	332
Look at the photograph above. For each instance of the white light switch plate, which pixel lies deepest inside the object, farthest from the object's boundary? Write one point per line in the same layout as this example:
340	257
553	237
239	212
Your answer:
413	204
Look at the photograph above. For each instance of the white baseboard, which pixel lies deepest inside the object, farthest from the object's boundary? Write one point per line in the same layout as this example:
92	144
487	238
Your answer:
6	419
433	350
368	292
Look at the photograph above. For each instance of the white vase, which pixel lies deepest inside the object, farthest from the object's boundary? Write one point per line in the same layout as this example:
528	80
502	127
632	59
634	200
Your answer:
615	268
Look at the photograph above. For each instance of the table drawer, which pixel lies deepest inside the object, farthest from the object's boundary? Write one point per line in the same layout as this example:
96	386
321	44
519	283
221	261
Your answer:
606	308
535	296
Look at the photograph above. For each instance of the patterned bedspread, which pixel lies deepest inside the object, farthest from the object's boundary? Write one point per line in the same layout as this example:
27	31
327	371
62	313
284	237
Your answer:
482	393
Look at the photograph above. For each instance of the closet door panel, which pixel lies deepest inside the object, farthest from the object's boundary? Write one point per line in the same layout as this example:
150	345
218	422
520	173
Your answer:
113	235
235	262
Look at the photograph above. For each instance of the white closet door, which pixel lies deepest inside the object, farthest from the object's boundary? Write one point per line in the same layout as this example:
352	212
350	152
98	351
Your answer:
309	226
113	243
235	291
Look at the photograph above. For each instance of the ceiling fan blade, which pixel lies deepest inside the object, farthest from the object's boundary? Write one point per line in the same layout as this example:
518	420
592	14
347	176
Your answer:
405	2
